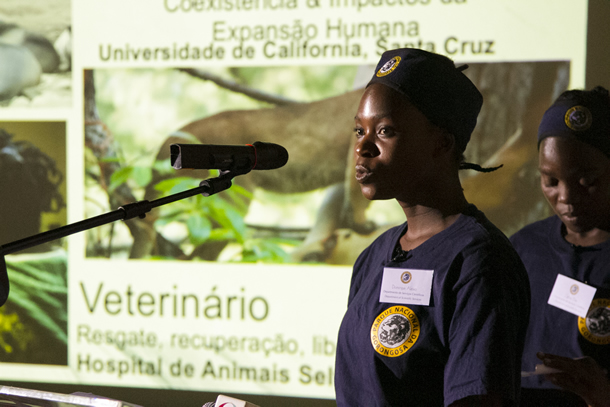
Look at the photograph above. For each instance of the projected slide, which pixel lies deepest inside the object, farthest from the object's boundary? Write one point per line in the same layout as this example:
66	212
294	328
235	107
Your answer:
242	291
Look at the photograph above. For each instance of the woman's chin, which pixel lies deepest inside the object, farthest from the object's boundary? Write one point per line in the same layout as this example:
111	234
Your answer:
368	192
373	194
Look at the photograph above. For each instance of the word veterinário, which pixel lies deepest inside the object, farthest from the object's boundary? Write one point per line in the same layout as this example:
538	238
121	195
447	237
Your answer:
174	304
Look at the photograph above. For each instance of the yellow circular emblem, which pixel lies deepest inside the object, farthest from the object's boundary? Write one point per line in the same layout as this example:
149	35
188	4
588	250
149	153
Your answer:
394	331
388	67
406	277
596	326
578	118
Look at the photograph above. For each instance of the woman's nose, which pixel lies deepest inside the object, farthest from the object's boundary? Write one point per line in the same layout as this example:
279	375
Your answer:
365	146
568	194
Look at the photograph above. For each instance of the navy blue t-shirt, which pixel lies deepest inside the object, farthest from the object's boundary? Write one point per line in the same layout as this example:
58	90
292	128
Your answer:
546	254
468	341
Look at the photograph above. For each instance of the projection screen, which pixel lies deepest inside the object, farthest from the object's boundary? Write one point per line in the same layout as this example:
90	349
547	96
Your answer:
242	291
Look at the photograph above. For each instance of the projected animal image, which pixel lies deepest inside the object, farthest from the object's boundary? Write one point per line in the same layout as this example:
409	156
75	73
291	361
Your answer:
34	320
318	136
35	53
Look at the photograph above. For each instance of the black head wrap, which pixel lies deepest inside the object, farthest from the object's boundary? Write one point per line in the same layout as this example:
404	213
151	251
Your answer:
583	114
433	84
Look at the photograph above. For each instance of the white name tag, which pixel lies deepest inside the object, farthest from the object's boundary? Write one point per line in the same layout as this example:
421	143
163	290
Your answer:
572	295
406	286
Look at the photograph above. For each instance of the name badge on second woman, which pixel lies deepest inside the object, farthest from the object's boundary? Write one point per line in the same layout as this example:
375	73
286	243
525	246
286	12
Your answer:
406	286
572	295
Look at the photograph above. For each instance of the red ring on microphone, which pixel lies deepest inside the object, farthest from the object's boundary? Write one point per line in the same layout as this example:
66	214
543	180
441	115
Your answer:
254	166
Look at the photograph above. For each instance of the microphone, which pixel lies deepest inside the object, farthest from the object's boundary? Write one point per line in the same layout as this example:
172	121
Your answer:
226	401
257	156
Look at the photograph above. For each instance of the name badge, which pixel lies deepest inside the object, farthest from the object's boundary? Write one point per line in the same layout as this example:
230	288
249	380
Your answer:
406	286
572	295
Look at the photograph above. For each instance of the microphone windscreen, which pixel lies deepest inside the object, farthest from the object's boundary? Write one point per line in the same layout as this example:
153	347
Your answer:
269	156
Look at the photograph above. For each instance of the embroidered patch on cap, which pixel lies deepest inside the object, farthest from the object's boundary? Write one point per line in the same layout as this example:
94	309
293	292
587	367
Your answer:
394	331
388	67
578	118
596	327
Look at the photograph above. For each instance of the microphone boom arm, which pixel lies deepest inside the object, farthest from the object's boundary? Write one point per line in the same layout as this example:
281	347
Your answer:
138	209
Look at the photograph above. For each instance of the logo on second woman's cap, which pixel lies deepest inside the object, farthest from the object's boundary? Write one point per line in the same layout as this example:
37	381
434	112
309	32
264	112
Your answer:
578	118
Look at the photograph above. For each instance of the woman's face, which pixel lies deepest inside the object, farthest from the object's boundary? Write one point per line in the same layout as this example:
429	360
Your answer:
575	180
394	146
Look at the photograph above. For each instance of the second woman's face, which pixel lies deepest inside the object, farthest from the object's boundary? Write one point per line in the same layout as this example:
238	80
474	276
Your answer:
575	180
394	144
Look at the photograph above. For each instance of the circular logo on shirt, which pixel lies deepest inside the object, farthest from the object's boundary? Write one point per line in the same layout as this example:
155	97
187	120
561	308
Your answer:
388	67
394	331
406	277
596	327
578	118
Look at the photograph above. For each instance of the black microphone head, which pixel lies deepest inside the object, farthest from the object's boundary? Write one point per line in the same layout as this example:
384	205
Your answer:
269	156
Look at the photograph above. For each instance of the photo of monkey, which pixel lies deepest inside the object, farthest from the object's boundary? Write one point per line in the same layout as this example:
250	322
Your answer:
310	210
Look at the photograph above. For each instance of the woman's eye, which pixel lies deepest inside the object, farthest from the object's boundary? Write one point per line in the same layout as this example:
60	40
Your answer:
588	180
359	132
385	131
549	182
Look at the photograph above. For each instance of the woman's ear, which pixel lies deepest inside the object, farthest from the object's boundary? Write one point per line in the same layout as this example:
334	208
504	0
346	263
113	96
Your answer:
446	142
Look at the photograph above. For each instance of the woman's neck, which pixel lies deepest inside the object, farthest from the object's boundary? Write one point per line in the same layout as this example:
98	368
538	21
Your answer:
426	221
589	238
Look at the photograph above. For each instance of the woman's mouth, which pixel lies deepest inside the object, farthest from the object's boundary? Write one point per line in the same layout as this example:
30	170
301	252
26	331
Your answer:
570	216
574	215
362	173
